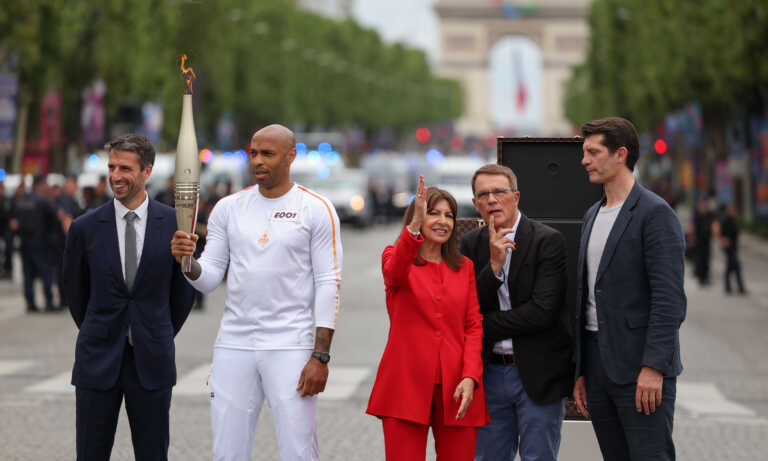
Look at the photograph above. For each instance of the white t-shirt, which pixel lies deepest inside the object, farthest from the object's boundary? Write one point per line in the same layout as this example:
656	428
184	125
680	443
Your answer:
282	258
601	229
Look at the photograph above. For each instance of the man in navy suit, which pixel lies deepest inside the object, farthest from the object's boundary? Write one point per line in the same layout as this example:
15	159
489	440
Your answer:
129	298
630	303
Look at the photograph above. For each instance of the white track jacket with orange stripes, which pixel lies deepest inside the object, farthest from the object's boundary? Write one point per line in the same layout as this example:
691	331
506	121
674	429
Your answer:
282	258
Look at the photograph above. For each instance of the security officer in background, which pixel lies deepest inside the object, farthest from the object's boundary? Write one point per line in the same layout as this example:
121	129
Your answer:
34	219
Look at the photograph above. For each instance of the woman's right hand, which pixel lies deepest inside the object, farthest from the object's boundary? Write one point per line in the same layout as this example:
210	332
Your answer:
464	391
419	207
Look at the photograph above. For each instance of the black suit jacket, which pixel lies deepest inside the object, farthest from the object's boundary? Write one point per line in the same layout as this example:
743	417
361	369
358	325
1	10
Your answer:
103	307
537	284
639	288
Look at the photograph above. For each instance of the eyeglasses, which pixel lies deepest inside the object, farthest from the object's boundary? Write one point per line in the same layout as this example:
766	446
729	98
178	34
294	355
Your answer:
498	193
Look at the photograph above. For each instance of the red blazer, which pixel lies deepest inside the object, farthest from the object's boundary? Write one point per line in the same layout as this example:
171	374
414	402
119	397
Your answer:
435	324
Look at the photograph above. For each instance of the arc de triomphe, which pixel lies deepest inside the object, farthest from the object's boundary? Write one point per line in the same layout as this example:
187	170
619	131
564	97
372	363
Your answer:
470	28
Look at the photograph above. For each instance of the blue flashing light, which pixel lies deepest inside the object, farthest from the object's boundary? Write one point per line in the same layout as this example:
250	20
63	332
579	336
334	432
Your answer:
2	174
435	157
323	172
242	156
324	147
314	156
93	160
474	155
227	154
332	158
301	148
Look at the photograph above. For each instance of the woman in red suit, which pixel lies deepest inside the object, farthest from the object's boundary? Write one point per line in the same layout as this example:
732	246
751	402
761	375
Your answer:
431	370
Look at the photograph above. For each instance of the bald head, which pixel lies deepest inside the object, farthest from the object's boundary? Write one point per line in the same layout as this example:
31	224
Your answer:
277	133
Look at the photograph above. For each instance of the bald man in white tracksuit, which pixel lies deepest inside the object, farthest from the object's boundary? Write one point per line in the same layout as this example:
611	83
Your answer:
282	258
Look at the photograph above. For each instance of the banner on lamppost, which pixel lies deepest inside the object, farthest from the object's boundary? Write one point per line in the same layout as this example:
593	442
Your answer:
93	116
8	91
152	126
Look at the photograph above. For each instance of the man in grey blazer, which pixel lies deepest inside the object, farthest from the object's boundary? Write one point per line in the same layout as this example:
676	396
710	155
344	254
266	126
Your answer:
630	303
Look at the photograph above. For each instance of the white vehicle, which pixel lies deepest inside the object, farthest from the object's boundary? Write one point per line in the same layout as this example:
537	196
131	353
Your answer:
454	174
12	182
347	190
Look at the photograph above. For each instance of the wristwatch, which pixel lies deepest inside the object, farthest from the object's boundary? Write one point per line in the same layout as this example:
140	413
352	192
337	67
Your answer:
323	357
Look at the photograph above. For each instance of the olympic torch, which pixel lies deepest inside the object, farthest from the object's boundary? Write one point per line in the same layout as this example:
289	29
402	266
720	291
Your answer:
187	177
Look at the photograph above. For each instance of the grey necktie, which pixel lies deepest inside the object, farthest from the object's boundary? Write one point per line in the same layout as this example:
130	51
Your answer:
130	257
130	249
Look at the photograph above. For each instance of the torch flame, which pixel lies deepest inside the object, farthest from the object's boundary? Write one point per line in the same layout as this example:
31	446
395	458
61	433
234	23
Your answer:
189	75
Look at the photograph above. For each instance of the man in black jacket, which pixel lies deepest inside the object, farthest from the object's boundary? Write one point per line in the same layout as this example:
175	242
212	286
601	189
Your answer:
729	242
34	219
520	266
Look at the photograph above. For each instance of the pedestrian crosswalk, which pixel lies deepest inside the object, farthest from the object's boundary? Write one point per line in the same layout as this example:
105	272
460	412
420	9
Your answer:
696	399
343	381
705	399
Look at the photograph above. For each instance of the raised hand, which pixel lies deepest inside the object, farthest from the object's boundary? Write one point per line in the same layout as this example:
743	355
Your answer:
499	244
419	207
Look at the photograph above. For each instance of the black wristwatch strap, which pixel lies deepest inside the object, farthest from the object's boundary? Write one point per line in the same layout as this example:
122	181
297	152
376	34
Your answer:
324	357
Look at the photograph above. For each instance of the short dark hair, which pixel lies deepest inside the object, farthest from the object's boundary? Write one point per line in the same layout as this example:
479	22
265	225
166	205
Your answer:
134	142
617	132
493	168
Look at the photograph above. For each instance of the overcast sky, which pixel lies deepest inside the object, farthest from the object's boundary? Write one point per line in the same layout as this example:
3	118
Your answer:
409	21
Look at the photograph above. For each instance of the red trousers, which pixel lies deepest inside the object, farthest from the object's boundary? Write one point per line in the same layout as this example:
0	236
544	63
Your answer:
407	441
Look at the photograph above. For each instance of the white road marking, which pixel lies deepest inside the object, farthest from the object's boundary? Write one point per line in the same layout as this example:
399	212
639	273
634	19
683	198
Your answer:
9	367
58	384
194	382
342	383
704	399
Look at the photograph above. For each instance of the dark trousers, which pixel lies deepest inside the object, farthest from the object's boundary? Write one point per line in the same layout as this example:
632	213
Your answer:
701	260
35	262
7	239
97	412
732	266
622	432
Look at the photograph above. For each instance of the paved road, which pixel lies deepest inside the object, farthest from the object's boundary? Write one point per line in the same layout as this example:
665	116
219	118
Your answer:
722	410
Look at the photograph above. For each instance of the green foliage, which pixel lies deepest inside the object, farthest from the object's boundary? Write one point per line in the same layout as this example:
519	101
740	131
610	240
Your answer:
260	61
649	57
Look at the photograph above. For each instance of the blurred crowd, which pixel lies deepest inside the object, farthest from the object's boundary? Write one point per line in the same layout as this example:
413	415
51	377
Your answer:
34	222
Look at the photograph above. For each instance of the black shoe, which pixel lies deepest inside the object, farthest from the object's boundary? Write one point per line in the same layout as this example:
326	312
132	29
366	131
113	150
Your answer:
32	310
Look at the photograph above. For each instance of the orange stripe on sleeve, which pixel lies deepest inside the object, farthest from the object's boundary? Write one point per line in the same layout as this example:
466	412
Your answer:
333	241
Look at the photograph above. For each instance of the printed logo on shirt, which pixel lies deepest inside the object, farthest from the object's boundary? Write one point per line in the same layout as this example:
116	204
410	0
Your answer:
284	215
264	239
